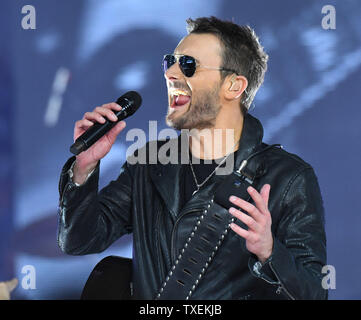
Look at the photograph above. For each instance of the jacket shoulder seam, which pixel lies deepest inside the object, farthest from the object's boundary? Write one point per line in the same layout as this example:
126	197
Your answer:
292	180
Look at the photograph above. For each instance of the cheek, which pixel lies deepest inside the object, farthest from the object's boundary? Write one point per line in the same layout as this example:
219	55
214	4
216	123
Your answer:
203	82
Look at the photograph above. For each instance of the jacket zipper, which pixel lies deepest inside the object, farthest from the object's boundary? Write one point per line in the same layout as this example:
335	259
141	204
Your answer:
281	286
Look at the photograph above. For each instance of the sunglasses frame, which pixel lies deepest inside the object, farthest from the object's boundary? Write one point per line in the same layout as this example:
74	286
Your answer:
177	58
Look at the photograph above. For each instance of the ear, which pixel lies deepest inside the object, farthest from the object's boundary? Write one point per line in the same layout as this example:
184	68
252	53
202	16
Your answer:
234	86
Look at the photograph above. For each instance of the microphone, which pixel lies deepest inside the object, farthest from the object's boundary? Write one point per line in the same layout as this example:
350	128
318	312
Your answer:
130	102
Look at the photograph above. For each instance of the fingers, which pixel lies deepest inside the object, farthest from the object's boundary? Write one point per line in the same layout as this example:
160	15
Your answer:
248	235
259	214
260	202
246	219
103	113
246	206
100	115
265	191
240	231
258	199
258	237
83	124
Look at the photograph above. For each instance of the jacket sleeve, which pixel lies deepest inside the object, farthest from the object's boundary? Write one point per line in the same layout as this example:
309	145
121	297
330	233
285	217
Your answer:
90	221
299	250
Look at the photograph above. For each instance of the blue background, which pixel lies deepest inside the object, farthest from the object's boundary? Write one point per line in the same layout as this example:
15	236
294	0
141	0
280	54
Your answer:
85	53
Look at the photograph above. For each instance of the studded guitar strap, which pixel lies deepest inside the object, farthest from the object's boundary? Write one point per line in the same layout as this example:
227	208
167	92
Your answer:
207	236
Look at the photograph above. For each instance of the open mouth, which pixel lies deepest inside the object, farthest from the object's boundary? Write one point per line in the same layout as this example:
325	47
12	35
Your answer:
179	98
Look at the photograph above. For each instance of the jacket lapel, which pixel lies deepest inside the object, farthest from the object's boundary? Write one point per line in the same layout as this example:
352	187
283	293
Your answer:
166	177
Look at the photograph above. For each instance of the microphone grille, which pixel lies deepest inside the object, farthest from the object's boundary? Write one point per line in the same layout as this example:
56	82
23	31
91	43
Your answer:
134	98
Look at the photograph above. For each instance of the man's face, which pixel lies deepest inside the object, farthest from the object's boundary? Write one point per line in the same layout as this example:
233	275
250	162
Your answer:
193	102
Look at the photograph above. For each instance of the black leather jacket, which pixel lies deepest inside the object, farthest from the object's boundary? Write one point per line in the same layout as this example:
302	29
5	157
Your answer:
144	200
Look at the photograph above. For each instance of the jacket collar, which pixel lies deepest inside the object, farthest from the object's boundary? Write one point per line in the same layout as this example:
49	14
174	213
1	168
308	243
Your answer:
251	138
166	177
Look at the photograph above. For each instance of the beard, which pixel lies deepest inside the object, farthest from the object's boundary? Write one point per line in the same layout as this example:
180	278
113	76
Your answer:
202	111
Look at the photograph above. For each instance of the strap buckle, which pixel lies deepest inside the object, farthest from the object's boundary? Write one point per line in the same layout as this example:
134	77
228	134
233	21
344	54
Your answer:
242	174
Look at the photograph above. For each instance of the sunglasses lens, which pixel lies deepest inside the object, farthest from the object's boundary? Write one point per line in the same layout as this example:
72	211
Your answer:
187	65
168	61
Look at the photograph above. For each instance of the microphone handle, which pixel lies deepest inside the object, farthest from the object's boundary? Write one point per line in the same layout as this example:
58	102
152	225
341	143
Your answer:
96	131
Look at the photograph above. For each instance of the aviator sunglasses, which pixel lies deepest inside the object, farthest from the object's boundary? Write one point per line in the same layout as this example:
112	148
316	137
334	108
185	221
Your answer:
187	64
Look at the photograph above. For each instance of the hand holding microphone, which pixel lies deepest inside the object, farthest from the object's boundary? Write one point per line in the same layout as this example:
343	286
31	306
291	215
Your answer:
96	133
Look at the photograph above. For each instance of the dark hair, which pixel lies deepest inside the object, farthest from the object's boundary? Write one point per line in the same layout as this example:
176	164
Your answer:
241	52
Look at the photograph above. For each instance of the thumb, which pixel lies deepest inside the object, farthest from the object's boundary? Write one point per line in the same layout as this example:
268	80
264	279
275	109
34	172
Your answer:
113	133
12	284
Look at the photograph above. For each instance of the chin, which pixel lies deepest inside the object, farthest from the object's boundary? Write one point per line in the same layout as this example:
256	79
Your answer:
177	118
173	123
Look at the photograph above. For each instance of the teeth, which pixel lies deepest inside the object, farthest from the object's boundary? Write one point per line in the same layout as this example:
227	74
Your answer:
174	93
178	92
173	98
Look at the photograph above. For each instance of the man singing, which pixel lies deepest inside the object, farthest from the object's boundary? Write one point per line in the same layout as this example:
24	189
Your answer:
188	243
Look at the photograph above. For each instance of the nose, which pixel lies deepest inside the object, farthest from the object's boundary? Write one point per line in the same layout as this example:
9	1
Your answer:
174	72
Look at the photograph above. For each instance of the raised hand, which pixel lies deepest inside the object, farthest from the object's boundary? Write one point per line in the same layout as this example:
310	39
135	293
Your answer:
87	160
259	239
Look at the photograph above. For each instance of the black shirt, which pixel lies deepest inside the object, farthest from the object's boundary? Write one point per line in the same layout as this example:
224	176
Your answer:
202	169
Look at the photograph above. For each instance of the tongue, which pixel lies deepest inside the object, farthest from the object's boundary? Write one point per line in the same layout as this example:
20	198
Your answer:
181	100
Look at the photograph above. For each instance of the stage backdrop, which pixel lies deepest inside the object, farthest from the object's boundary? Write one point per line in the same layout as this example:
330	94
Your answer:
79	54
